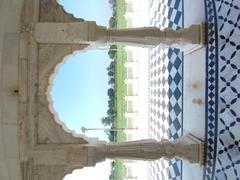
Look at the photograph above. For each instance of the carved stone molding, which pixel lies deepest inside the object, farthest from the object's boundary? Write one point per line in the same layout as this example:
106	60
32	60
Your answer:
51	58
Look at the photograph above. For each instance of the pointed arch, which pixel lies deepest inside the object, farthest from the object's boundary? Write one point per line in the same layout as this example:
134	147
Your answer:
51	58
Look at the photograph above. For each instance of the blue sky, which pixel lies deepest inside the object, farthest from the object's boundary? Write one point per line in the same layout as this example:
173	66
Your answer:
80	88
91	10
80	91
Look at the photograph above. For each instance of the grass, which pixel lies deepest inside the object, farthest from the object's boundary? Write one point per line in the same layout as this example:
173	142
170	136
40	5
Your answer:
120	94
121	10
121	88
119	170
121	73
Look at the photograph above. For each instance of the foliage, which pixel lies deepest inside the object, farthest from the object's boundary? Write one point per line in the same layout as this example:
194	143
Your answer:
111	81
113	3
112	135
111	112
113	168
106	121
111	66
112	22
111	93
112	51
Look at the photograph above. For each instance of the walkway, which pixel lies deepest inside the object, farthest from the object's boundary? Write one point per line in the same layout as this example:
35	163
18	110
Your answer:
166	87
166	77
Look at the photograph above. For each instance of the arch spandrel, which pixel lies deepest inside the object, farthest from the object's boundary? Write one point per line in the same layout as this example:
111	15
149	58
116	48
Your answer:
40	62
54	172
50	128
50	58
52	11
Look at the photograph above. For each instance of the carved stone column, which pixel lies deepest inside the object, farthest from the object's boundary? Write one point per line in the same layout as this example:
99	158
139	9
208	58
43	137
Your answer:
57	160
90	33
186	147
152	36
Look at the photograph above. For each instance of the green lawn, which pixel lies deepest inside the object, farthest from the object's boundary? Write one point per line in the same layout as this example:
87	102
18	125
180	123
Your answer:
121	88
121	9
120	93
119	170
121	73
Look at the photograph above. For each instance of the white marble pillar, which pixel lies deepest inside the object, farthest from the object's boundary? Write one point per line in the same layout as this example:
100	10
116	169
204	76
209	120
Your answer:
63	158
186	147
152	36
89	33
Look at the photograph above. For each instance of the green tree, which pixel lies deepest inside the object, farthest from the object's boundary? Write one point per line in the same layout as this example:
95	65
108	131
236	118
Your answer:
106	121
111	67
111	80
111	114
113	4
112	53
111	92
111	103
112	23
114	14
112	136
111	73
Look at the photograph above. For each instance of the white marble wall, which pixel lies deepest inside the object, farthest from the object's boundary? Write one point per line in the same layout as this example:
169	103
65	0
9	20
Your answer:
194	86
9	148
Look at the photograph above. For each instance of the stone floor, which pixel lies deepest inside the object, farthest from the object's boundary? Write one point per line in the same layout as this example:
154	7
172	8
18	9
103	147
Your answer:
166	100
166	88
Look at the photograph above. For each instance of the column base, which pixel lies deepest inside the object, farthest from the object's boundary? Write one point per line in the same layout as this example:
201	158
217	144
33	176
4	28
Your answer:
199	41
192	149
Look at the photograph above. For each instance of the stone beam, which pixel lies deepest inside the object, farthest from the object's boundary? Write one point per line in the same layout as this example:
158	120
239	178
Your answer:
67	154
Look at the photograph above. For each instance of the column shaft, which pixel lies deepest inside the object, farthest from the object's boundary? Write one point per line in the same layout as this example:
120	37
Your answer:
152	36
186	148
89	33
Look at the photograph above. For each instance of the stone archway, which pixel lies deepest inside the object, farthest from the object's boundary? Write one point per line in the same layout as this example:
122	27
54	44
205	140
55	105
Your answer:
47	150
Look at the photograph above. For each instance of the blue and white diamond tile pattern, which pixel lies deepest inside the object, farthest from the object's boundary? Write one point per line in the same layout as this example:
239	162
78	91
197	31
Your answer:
223	90
165	91
211	109
166	13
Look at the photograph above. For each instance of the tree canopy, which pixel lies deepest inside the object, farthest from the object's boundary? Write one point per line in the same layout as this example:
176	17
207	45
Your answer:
112	51
111	111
